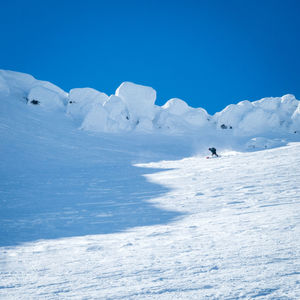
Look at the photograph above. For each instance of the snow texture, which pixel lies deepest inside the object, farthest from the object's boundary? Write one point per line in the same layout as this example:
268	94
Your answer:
83	101
139	99
129	208
176	106
45	97
296	119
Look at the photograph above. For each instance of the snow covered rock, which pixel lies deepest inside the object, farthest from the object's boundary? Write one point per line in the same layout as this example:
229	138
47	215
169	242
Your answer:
283	107
176	115
118	114
267	115
96	120
45	97
170	115
269	104
16	83
259	121
54	88
231	116
116	107
176	106
133	108
296	120
197	117
17	79
260	143
25	86
83	100
166	121
144	125
139	100
288	106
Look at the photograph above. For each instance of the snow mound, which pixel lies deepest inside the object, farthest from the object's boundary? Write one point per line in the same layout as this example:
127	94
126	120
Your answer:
231	116
26	87
83	100
96	120
45	97
296	119
50	86
176	107
140	101
177	116
260	143
132	108
197	117
16	83
118	114
259	121
268	115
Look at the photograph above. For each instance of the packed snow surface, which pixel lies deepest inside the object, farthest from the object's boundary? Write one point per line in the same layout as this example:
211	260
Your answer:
102	199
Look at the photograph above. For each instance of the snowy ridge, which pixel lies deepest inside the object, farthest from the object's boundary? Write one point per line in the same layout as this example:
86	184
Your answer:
133	108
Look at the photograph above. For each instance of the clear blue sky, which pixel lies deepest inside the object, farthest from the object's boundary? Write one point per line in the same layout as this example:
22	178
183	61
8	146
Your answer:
208	53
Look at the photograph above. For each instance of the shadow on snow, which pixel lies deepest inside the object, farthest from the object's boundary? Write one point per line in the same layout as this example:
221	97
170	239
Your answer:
57	181
66	203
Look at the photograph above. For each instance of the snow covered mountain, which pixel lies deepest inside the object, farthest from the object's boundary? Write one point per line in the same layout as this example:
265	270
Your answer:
111	197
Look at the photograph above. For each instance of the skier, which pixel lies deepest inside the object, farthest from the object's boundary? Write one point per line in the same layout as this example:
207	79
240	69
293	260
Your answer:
213	151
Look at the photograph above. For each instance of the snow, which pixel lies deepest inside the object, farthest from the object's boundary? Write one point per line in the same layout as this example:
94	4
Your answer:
264	116
197	117
260	143
4	89
140	102
95	120
176	106
296	119
47	98
19	83
177	116
116	108
82	101
118	114
119	210
232	114
132	109
259	121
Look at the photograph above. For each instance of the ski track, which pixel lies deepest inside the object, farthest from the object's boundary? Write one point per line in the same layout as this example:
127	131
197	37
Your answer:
238	238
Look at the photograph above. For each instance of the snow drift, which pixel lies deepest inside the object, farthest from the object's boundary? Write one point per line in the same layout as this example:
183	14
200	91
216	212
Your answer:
132	108
26	87
265	115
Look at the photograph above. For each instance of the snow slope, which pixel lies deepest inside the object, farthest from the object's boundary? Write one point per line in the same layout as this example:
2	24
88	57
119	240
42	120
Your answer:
135	211
239	238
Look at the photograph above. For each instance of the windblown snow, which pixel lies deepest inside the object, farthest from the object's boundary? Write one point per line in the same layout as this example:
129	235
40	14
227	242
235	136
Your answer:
112	197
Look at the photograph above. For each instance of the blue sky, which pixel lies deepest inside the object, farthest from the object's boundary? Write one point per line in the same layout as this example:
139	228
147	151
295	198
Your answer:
208	53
